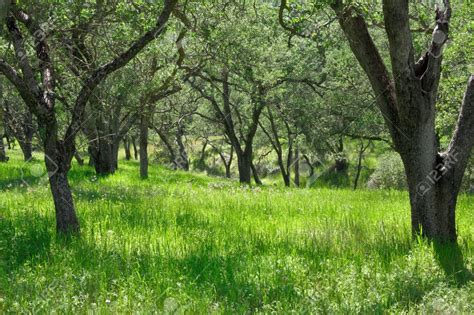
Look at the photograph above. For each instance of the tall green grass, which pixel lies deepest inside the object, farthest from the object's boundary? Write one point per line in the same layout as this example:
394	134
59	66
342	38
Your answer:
186	243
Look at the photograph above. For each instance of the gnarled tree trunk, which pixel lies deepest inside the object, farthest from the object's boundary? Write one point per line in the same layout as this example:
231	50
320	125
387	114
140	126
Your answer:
408	104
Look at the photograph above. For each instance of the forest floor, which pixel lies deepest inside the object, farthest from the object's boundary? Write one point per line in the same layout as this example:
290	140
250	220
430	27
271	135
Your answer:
188	243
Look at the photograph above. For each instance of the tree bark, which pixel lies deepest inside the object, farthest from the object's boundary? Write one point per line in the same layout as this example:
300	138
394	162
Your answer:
134	145
57	166
126	145
256	178
79	158
144	147
66	220
3	155
297	167
408	104
183	155
228	165
359	163
244	162
26	148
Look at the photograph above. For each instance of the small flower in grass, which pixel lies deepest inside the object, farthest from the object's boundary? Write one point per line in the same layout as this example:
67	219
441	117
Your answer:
107	301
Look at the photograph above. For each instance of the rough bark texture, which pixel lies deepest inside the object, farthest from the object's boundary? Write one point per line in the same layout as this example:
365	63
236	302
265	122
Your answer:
57	167
408	105
66	219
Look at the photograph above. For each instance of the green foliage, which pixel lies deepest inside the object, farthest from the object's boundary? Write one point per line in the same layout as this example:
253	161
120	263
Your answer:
185	243
389	174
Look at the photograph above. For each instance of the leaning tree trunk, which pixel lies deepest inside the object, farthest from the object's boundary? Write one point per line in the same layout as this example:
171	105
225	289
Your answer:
144	147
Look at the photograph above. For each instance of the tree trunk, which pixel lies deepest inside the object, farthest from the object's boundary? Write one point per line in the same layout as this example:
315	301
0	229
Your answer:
3	155
227	170
79	159
408	105
26	143
10	142
134	145
201	164
182	154
144	147
359	163
26	148
115	147
297	167
66	220
103	159
432	189
244	165
90	151
255	175
310	165
126	145
281	165
58	165
359	169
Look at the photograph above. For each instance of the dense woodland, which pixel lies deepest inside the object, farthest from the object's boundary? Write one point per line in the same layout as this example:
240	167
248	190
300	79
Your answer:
368	96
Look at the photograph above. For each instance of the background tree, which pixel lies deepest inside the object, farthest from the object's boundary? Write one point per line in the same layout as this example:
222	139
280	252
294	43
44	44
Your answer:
40	97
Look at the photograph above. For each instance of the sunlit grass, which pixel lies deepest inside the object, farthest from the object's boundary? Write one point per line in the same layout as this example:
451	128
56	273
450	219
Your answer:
188	243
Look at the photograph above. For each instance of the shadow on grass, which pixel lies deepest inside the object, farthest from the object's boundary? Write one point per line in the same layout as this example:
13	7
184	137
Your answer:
24	239
450	258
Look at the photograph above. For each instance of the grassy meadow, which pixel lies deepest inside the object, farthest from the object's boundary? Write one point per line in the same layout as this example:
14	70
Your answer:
188	243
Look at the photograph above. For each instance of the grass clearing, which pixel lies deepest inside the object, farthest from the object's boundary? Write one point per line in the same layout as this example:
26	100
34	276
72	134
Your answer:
188	243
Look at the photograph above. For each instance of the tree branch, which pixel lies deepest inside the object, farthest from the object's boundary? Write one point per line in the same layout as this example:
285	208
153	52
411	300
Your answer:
105	70
366	52
463	139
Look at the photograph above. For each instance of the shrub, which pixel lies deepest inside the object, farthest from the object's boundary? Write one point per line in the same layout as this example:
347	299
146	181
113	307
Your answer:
389	174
